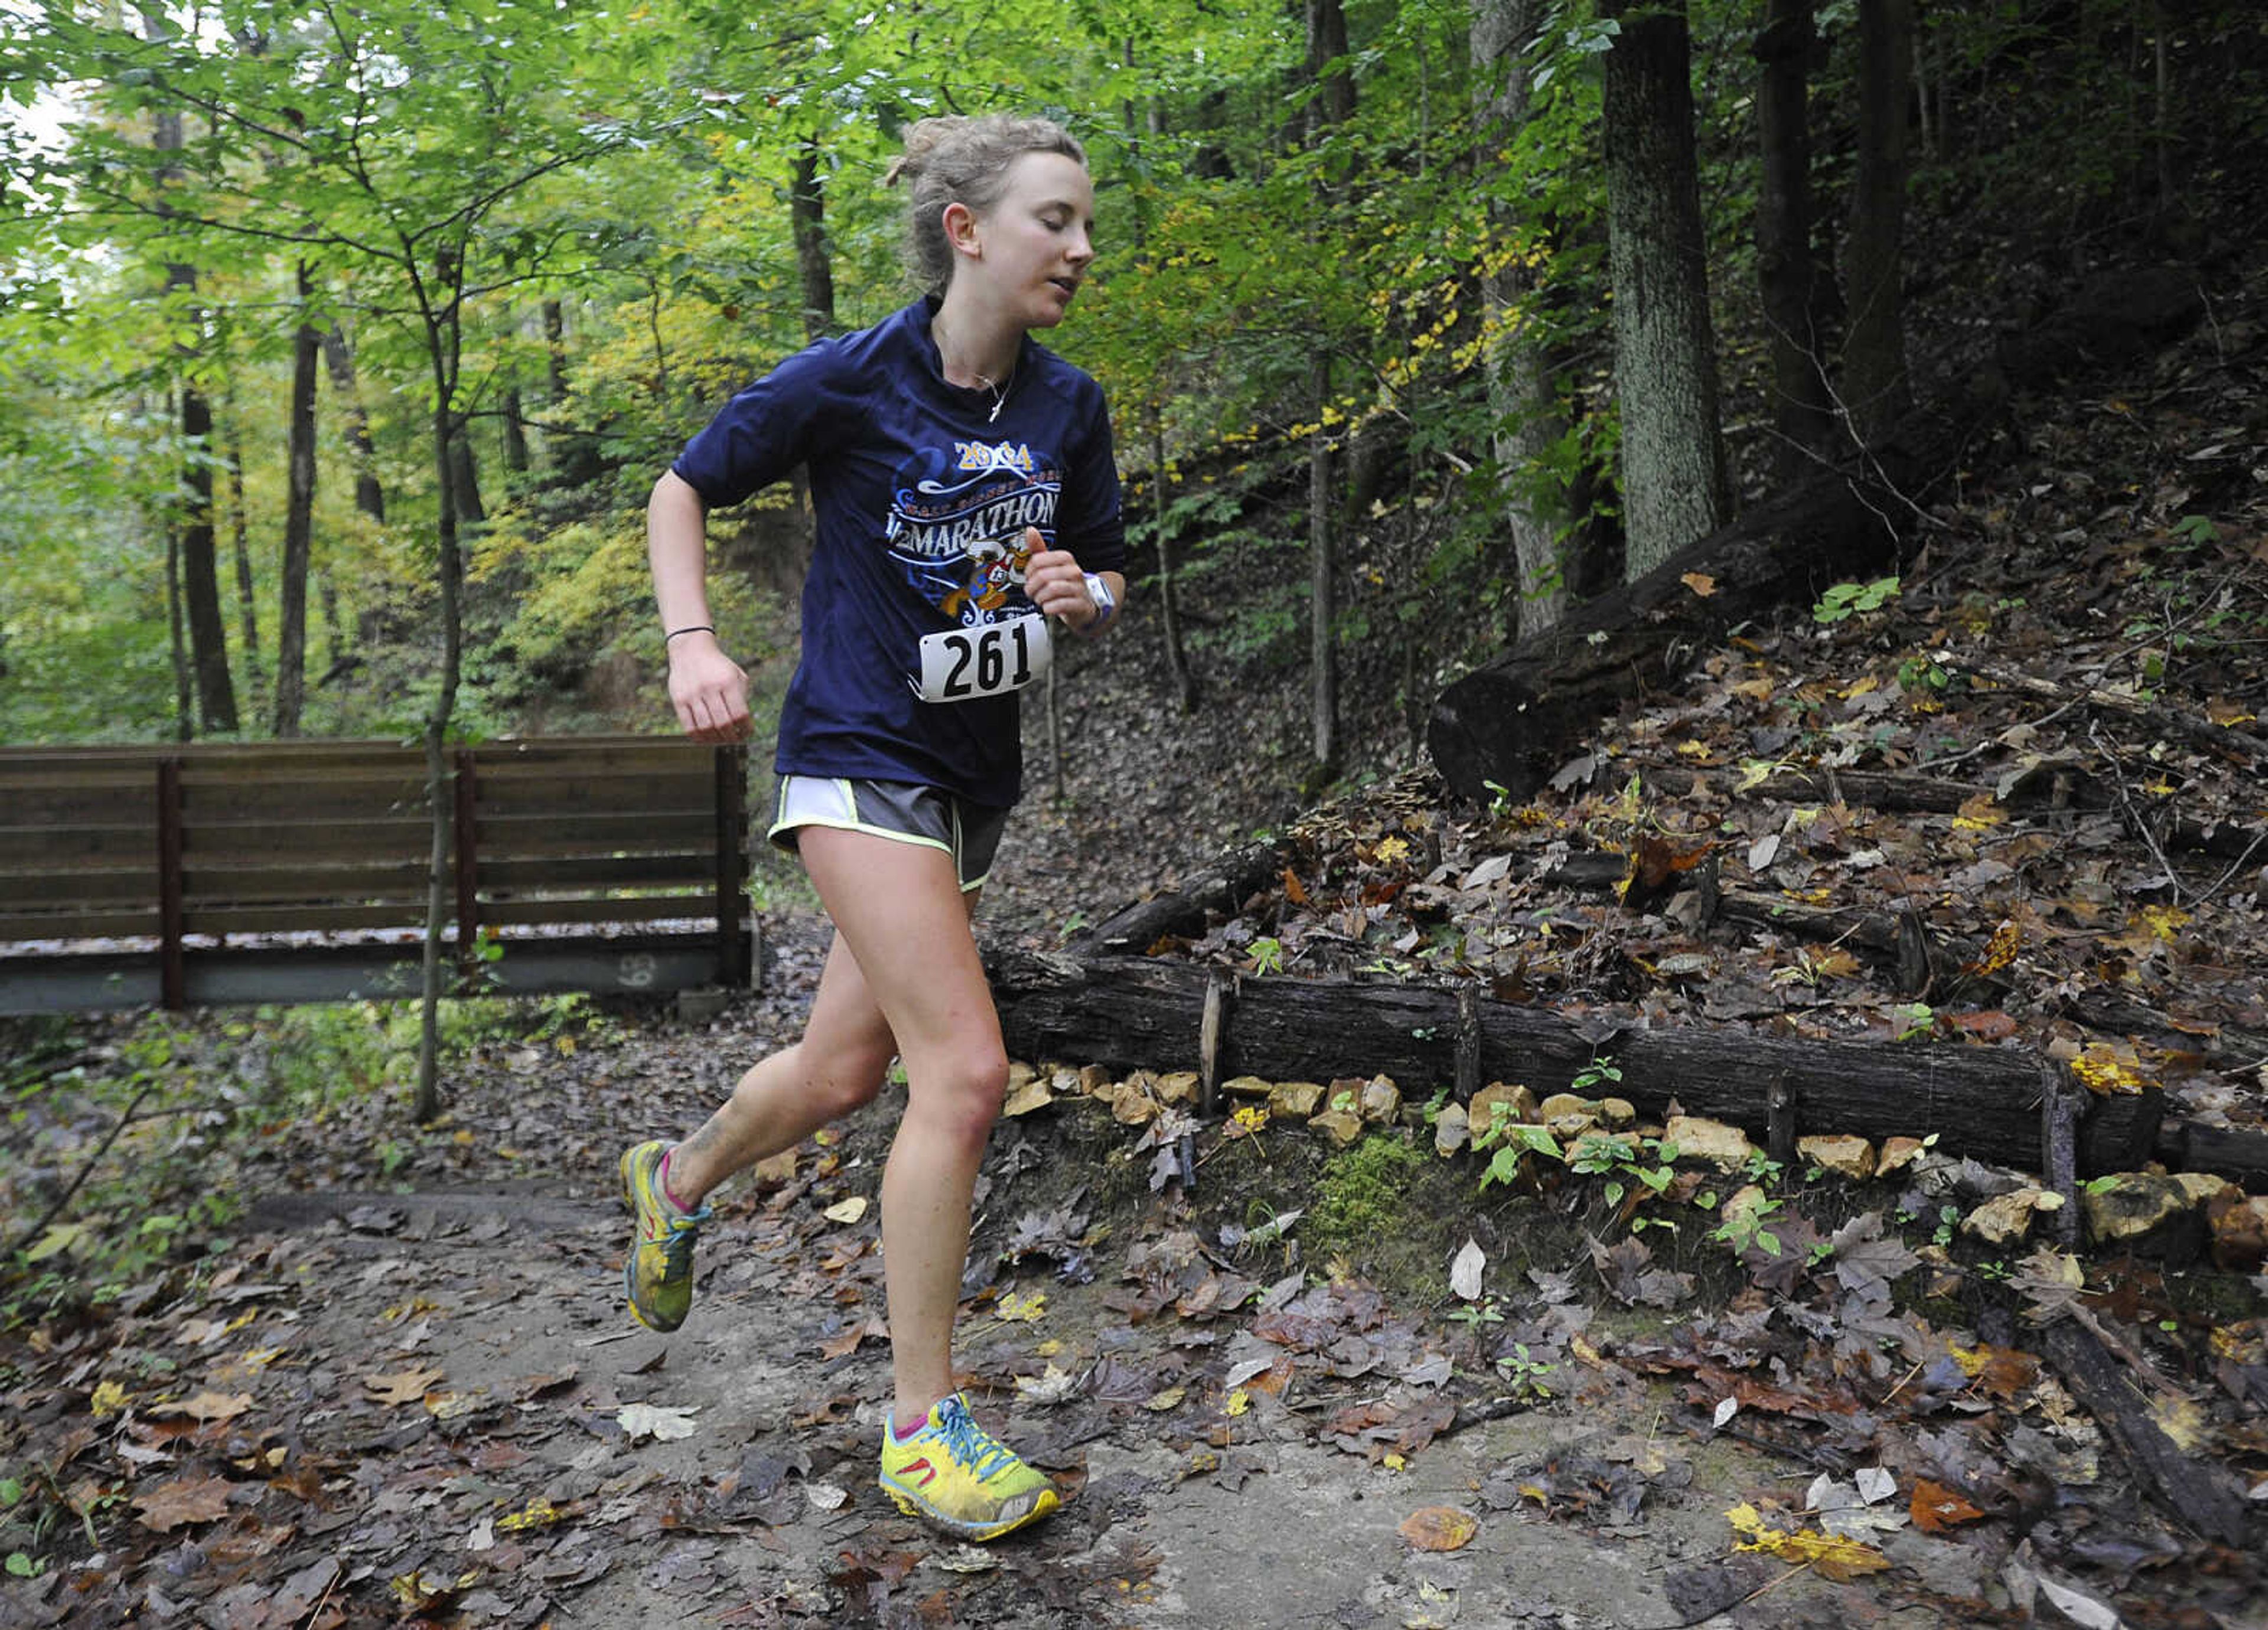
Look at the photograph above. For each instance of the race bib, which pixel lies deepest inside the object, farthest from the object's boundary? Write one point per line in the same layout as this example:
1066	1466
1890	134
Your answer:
986	662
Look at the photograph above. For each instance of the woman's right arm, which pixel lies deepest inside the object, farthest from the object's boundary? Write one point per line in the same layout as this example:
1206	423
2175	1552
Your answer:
707	688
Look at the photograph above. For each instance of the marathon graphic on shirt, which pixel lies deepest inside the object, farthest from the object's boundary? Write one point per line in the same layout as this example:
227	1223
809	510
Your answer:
957	521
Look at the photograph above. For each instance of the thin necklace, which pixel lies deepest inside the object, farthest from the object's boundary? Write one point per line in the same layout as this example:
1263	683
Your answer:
999	392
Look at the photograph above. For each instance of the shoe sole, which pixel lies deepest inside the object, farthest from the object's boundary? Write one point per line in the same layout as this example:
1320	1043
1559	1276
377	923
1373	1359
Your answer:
921	1511
630	1261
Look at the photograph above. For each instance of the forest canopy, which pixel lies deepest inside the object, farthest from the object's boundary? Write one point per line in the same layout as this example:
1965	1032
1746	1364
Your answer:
311	315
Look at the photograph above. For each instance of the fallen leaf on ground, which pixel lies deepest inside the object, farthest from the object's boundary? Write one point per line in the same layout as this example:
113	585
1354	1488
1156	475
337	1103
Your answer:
846	1210
1831	1556
184	1501
407	1386
659	1422
1440	1528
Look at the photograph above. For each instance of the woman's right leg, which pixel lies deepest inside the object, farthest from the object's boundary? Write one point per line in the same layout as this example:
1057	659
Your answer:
838	1067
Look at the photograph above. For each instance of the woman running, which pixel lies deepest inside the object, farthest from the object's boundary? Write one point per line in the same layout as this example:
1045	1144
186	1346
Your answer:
967	507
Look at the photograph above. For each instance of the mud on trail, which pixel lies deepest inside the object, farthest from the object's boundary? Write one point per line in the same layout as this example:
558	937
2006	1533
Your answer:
423	1401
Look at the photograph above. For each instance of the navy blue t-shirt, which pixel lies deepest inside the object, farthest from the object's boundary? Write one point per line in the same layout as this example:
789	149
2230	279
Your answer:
915	482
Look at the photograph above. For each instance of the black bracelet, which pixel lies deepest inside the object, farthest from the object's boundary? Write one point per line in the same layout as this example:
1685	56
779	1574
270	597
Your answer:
698	628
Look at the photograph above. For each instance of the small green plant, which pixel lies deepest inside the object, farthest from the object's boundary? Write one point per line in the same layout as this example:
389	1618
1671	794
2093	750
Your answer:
1474	1314
1916	1020
1948	1218
1267	954
1524	1373
1746	1226
2196	529
1921	674
1846	599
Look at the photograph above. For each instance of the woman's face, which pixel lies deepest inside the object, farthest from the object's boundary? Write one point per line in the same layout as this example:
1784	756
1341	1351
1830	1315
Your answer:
1033	247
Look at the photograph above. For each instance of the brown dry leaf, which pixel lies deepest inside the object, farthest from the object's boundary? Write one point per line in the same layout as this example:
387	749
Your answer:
208	1406
1440	1528
847	1343
1985	1027
1292	889
1936	1507
407	1386
183	1500
1700	582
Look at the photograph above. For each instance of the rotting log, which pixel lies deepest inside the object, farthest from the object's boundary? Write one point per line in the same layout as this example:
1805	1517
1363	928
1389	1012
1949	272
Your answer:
1129	1012
1224	888
2204	1496
1511	721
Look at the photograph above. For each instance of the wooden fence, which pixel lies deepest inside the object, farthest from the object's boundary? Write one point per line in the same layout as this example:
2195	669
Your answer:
299	871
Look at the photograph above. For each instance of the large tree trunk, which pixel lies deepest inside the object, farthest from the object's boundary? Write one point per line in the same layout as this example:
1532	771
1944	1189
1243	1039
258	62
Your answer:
1675	488
338	359
298	521
1334	105
1523	402
1875	388
1803	415
1169	616
515	430
806	212
1327	43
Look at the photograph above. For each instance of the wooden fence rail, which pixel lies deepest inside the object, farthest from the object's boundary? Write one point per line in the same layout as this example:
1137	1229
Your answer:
289	871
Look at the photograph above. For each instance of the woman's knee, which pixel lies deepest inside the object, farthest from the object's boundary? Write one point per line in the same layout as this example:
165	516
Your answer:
963	1089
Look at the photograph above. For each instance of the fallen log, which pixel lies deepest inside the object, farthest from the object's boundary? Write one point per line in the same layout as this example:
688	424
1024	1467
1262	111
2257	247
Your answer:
1509	723
1129	1012
1226	886
2203	1496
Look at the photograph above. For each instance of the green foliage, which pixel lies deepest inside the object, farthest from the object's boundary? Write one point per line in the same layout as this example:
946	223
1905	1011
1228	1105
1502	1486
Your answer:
1847	599
1361	1193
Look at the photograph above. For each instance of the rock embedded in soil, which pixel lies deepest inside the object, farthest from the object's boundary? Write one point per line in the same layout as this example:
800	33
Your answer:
1845	1157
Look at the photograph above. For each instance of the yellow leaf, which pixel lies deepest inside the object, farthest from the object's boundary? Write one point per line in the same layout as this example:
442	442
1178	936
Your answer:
1391	850
1018	1309
2164	921
463	1138
565	1044
848	1211
59	1238
1829	1555
1393	1462
1980	813
110	1398
1440	1528
1162	1403
1239	1401
538	1513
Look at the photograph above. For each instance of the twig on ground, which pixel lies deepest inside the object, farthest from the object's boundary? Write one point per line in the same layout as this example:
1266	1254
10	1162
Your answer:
84	1172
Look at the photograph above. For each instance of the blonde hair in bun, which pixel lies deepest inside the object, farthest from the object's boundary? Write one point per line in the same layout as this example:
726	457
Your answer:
963	160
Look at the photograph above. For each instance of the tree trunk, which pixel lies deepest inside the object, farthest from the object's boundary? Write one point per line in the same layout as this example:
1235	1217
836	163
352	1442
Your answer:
1876	390
239	533
1802	414
1170	616
1323	551
1675	488
298	521
338	359
806	210
465	474
1523	402
515	431
443	339
185	723
1327	43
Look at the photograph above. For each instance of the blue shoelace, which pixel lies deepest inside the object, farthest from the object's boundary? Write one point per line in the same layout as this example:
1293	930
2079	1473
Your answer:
970	1443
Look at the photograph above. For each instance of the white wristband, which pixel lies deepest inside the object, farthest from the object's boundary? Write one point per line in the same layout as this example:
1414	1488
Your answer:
1106	604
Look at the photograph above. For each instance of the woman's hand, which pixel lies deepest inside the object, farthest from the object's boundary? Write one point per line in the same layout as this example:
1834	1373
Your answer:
1054	582
708	688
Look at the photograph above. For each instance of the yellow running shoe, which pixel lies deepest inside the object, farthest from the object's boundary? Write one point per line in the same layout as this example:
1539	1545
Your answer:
956	1477
658	1273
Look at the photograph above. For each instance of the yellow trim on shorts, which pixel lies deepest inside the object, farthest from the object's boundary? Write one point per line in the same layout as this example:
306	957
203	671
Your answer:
851	801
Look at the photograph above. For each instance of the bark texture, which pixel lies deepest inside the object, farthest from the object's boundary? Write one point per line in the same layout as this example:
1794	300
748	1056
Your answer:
1674	487
1876	391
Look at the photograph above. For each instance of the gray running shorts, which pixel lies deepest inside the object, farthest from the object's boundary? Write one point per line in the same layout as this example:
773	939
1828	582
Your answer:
904	811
